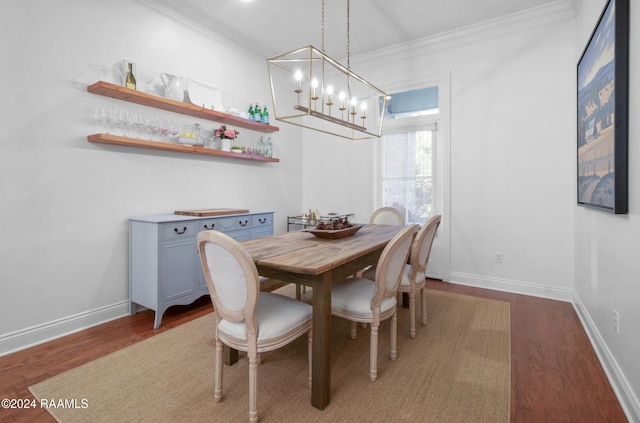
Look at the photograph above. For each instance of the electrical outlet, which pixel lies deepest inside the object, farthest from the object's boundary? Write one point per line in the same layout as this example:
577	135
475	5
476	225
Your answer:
498	257
616	321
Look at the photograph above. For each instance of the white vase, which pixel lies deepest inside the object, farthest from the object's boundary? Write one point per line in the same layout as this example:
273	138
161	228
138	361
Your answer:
225	144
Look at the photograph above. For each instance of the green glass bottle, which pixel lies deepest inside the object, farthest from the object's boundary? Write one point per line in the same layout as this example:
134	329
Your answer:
250	112
257	114
265	115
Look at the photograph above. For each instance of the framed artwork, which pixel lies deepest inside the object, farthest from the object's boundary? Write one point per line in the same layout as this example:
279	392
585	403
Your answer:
603	91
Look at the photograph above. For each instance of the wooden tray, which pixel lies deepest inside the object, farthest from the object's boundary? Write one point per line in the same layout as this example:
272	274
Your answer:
334	234
210	212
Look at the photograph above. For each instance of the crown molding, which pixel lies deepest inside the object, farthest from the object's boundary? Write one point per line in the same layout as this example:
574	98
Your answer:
175	12
551	13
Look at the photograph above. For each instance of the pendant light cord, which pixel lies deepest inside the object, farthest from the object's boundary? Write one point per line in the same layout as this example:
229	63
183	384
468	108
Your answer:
323	26
348	39
348	34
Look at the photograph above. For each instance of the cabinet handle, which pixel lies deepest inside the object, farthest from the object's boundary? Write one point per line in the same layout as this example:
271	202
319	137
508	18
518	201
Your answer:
262	219
243	224
178	232
213	225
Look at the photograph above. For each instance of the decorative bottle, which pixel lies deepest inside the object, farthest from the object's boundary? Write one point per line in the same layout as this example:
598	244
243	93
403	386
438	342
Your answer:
129	78
261	147
269	149
257	114
265	115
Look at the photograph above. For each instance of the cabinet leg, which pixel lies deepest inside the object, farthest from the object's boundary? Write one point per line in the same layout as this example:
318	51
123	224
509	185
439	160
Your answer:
157	320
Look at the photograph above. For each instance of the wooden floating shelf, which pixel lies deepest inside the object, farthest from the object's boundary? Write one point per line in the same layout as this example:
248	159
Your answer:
108	89
156	145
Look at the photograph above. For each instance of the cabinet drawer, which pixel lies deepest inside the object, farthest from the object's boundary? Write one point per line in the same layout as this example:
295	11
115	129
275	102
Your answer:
261	220
179	230
208	224
226	224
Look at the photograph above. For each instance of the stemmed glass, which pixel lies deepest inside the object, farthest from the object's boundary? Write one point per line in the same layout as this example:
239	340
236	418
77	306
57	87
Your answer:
100	115
123	120
137	121
112	117
174	128
154	126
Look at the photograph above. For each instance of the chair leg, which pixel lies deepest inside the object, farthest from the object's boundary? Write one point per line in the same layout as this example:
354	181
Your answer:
217	392
373	354
412	314
310	354
394	336
354	330
253	388
424	305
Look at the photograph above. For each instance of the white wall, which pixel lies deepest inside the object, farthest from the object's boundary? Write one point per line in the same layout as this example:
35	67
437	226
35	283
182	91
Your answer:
511	148
65	202
606	247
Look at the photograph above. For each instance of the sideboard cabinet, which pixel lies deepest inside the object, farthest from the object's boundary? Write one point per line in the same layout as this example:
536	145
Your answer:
164	266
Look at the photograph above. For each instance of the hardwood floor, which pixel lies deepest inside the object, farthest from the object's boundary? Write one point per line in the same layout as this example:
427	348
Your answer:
555	374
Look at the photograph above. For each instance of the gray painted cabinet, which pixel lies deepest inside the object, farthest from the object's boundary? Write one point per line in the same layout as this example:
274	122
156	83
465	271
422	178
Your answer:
164	267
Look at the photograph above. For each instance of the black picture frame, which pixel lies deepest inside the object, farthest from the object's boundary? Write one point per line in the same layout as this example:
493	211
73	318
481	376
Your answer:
602	107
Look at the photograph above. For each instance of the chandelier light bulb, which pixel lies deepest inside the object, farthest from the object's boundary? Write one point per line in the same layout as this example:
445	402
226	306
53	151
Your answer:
298	77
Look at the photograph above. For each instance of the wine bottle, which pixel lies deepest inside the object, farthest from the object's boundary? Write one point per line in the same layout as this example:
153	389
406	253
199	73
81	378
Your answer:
130	79
265	115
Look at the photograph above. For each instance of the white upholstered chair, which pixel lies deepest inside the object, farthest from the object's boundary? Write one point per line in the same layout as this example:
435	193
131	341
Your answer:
413	277
359	300
247	319
387	216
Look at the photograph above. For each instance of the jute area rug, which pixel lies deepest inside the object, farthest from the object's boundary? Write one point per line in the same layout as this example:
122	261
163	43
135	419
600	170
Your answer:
457	369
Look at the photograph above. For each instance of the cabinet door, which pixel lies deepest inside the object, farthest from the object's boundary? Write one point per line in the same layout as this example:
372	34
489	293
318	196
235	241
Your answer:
179	277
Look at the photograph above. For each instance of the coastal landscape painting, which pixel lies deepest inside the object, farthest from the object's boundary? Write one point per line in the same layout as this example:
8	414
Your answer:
602	112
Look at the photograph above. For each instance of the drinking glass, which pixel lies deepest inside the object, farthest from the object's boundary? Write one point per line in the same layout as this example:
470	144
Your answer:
137	122
124	121
100	115
112	118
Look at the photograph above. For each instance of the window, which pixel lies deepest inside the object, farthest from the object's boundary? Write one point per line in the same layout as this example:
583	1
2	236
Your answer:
407	154
413	103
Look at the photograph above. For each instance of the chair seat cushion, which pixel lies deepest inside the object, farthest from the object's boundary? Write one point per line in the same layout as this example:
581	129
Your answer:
353	297
275	315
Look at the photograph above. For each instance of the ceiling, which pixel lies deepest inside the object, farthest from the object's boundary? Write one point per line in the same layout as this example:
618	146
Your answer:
270	27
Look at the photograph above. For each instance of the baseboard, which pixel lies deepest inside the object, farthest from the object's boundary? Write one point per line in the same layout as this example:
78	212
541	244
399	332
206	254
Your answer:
514	287
628	401
35	335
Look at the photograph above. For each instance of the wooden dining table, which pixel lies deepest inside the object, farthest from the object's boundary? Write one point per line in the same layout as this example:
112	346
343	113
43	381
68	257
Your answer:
302	258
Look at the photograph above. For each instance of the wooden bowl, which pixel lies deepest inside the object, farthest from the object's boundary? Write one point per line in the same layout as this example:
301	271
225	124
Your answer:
335	233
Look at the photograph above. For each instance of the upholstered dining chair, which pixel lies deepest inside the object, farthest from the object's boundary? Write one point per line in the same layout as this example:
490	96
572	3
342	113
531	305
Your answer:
386	216
247	319
358	300
413	276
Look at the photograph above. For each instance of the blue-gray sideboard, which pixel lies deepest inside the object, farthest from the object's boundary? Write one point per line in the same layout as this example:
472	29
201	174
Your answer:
164	267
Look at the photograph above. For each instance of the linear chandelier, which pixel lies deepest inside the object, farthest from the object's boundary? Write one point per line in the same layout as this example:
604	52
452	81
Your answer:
311	90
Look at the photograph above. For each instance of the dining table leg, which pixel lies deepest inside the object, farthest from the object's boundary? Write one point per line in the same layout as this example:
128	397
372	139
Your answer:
321	360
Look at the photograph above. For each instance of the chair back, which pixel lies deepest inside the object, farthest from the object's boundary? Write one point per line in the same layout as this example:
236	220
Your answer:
387	216
391	264
232	278
421	248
